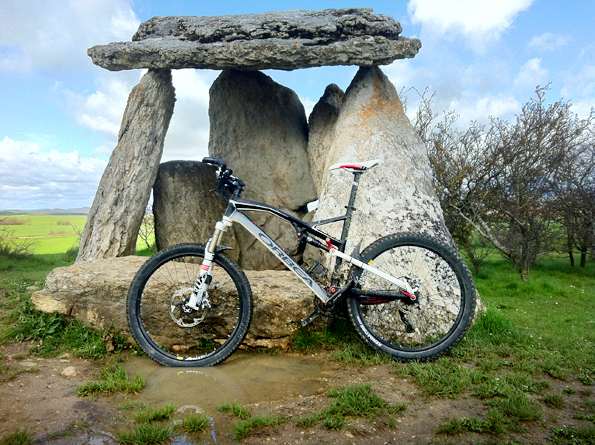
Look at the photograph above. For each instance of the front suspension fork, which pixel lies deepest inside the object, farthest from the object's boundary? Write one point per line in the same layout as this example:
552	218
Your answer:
199	298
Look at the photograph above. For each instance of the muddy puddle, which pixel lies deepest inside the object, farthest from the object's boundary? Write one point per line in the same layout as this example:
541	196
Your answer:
244	378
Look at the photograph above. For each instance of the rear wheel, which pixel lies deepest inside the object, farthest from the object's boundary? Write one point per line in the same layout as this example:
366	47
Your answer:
171	333
442	312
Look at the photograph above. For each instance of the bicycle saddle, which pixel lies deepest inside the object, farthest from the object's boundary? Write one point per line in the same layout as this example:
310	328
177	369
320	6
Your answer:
356	166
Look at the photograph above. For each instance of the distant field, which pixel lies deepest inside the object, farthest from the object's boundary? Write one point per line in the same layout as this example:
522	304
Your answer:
52	233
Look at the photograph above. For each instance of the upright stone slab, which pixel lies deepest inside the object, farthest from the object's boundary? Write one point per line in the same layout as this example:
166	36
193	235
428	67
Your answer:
321	126
260	128
184	205
123	193
395	196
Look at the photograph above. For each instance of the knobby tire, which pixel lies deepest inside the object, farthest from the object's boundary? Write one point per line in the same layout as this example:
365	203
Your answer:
172	337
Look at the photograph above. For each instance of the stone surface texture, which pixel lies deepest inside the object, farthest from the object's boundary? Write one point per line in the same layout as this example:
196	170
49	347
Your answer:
125	187
260	128
321	125
185	207
285	40
94	292
395	196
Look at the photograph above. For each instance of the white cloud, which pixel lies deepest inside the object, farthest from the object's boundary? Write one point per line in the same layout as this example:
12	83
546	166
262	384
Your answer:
532	74
188	133
32	179
579	88
55	34
406	73
101	111
472	107
480	21
549	41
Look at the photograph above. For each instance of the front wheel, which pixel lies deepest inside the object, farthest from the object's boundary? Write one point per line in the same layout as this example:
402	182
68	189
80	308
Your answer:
171	333
440	316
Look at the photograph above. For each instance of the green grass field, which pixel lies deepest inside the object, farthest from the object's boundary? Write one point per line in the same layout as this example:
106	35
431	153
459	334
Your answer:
49	233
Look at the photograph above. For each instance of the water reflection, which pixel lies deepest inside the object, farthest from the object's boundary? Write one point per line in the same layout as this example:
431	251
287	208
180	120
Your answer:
244	378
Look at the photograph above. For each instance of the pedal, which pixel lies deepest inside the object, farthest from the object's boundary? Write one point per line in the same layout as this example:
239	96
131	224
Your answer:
308	320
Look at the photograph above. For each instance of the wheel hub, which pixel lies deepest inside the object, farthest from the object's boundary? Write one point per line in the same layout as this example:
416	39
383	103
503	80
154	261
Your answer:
182	314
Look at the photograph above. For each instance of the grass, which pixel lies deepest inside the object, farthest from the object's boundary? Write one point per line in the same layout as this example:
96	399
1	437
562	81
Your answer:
352	401
533	334
149	415
195	424
8	373
242	428
574	436
53	234
146	434
17	437
113	378
156	426
247	421
235	409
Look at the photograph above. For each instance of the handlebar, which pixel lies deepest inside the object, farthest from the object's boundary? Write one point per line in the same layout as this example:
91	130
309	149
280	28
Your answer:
215	161
225	177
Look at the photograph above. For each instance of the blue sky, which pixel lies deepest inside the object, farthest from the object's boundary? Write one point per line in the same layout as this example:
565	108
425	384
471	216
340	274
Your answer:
60	114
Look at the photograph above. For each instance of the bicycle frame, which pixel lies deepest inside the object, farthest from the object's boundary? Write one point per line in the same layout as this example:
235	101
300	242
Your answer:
334	246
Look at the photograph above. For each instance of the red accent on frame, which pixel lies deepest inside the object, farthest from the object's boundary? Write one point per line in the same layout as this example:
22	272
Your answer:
329	244
205	267
413	297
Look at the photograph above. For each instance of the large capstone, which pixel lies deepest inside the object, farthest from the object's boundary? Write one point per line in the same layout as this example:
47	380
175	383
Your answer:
285	40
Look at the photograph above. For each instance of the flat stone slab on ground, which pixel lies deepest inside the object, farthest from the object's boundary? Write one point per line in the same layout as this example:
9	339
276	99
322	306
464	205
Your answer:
95	292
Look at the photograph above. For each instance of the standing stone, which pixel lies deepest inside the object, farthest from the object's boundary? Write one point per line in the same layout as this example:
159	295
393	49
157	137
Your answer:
260	128
185	208
395	196
321	126
123	193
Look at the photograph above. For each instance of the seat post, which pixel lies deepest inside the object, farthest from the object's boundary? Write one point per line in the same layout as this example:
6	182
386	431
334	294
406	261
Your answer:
350	208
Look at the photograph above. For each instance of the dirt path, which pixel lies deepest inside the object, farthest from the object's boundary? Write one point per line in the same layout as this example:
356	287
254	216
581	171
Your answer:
44	401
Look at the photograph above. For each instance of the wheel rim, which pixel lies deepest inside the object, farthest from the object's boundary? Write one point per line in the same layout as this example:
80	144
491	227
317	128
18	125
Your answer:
419	326
188	336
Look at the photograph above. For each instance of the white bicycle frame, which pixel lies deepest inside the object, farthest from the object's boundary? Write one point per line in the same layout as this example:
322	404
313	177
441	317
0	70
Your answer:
196	300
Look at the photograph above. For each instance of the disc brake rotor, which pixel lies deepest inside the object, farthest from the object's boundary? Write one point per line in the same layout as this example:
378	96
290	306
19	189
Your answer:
180	313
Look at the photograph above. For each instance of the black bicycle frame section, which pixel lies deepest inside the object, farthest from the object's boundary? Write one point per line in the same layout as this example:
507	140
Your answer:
307	233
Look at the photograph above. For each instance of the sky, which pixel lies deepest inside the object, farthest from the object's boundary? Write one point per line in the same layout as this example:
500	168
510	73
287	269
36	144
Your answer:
60	114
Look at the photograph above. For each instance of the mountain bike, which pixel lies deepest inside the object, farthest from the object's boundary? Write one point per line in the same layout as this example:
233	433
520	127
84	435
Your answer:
408	295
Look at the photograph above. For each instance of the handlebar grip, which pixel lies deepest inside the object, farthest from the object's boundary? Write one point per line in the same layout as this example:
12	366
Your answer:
217	161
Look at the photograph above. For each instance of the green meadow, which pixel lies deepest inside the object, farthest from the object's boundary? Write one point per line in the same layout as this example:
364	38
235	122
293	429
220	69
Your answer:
49	233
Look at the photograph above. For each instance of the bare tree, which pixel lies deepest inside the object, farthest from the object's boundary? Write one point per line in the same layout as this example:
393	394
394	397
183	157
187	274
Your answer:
575	195
458	161
12	246
147	228
497	180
